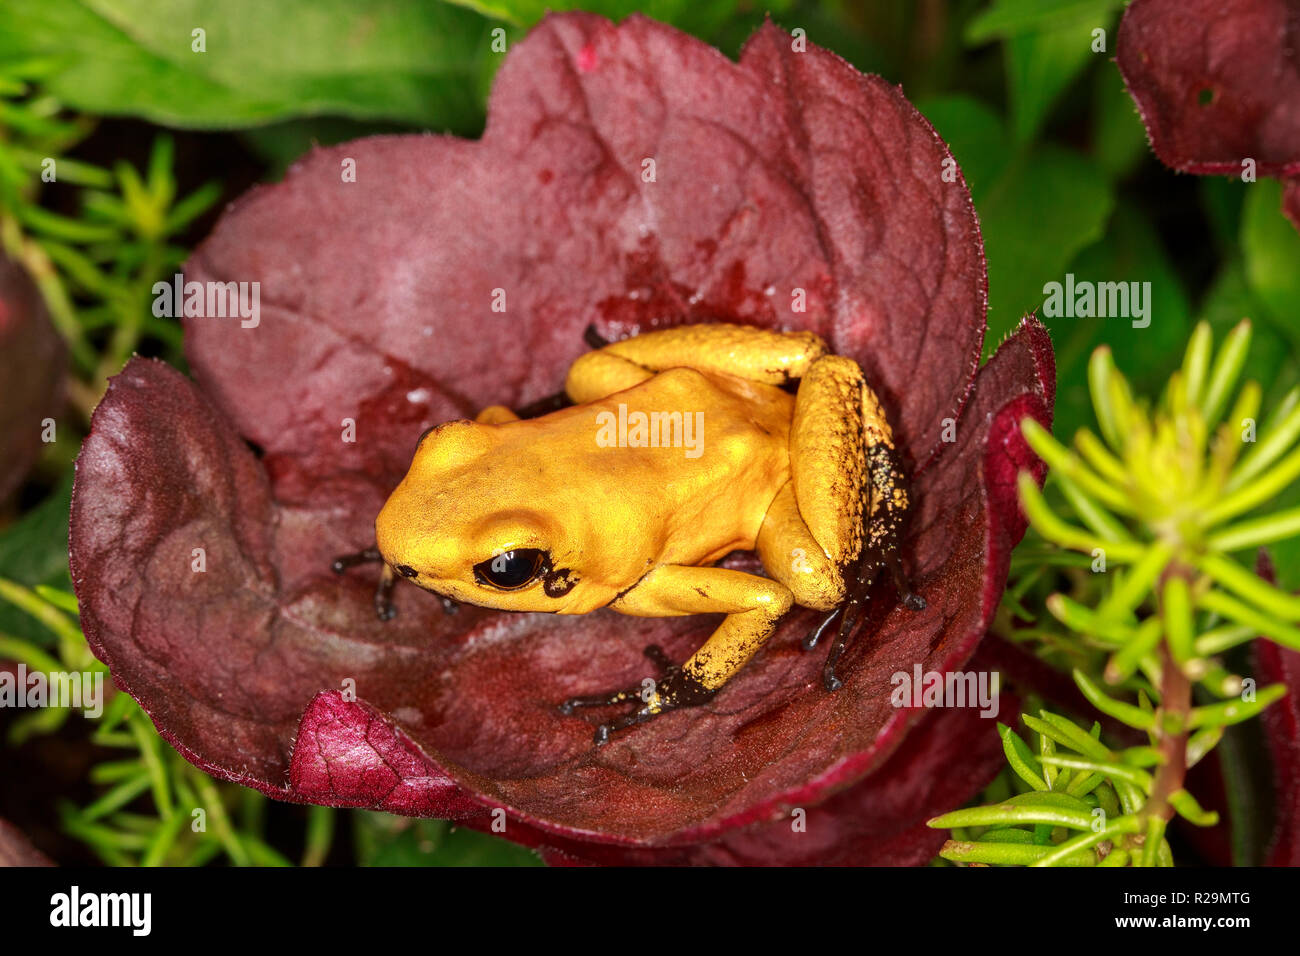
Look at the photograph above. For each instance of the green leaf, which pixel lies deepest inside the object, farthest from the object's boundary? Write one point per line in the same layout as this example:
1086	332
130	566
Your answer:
1112	769
1130	251
1065	731
1226	373
1269	360
1043	208
34	551
1086	841
386	840
1234	711
1057	798
1124	712
976	136
1012	813
1119	140
1250	586
1012	17
1021	758
1189	809
1039	68
1008	854
1271	246
407	60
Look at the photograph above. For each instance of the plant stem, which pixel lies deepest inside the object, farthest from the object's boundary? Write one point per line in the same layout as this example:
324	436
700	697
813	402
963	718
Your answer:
1176	703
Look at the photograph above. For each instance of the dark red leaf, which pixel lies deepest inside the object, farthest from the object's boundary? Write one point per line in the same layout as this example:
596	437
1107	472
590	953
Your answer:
786	171
228	658
32	363
790	171
880	821
1216	82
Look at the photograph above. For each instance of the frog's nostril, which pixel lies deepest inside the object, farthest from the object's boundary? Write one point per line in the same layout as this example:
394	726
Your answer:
406	571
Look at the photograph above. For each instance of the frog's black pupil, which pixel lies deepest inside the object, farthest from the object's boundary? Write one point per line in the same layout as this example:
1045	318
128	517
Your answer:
511	569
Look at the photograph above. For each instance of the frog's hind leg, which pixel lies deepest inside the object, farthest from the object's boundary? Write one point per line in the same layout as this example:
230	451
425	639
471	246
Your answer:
792	555
754	354
848	487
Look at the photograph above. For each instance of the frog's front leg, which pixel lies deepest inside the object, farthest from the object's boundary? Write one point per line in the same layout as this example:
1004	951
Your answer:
384	609
753	606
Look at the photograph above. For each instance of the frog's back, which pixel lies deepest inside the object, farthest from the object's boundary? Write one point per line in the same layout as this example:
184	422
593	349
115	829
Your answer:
691	459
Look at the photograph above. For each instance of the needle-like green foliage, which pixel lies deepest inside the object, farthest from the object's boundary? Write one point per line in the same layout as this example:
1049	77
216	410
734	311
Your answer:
1165	502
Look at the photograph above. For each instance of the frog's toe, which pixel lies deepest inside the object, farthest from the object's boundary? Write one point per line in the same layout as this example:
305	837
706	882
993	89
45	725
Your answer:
620	723
911	600
674	688
817	633
600	700
354	558
657	657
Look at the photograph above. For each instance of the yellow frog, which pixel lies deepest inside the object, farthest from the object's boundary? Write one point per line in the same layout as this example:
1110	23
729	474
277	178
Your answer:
680	446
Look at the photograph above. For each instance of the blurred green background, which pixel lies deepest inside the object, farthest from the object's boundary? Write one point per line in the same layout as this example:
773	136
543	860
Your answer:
154	138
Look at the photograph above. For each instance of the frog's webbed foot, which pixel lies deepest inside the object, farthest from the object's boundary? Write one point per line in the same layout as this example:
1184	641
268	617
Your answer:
384	608
675	688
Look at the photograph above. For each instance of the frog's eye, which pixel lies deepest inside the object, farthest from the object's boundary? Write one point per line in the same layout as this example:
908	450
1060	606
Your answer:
511	570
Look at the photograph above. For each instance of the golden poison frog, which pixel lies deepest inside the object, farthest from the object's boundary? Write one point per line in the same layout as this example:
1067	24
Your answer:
680	446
